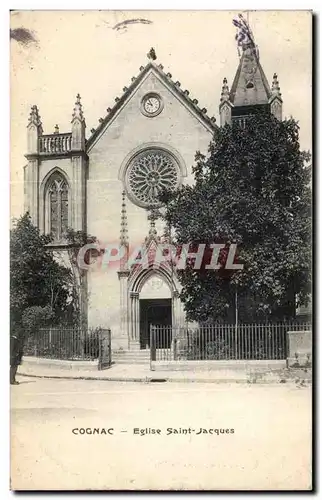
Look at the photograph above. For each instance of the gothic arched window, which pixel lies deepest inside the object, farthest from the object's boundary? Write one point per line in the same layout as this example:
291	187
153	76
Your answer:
57	206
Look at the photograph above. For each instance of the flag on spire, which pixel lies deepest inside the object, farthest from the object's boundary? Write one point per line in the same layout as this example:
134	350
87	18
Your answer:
244	35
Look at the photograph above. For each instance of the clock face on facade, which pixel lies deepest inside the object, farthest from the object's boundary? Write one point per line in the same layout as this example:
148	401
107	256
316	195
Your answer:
151	104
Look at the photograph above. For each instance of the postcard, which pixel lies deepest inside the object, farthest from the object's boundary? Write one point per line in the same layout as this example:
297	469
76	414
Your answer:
160	250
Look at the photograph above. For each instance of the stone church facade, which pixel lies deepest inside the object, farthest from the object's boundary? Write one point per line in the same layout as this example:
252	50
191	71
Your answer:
106	185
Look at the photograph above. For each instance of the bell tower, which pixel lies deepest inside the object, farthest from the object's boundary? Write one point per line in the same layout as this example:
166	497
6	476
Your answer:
250	91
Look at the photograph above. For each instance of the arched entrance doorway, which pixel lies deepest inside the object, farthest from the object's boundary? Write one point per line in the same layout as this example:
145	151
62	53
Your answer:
153	299
155	309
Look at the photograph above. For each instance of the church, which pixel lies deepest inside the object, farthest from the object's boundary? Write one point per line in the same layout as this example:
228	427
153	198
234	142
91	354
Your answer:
106	184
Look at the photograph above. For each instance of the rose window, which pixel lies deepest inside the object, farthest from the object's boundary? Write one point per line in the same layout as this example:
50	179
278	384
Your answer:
149	173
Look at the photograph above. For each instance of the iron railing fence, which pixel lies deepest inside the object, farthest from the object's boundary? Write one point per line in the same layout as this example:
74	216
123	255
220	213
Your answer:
222	341
69	344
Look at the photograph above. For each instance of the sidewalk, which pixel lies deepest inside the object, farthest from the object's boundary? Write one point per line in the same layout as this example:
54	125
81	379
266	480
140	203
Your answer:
142	373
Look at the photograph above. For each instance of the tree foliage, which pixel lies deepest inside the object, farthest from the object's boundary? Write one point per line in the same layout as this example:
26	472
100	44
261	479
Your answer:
35	317
252	189
45	284
37	281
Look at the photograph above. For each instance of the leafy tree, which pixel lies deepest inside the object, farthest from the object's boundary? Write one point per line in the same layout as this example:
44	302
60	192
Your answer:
36	279
253	190
35	317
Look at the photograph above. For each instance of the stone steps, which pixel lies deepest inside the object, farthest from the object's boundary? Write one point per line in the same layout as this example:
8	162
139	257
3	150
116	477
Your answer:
144	362
140	354
139	357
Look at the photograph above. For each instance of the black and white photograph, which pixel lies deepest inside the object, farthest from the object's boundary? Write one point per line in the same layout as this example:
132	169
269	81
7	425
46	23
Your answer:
161	250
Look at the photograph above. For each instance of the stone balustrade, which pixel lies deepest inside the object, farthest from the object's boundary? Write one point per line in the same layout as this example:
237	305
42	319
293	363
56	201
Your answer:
55	143
241	120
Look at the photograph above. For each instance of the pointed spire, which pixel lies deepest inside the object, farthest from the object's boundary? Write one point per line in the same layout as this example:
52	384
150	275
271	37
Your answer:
224	91
250	86
34	131
78	126
34	117
78	110
275	86
276	101
225	104
124	239
152	217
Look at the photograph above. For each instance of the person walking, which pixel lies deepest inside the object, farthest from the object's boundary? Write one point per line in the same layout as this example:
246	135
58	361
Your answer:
16	353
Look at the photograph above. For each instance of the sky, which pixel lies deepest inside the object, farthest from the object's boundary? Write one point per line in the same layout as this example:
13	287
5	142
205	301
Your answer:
58	54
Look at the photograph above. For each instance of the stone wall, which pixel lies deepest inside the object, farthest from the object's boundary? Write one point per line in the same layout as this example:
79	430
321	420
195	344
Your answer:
299	349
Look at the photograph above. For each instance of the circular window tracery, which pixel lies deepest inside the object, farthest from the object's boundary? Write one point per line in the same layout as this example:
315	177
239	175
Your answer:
150	172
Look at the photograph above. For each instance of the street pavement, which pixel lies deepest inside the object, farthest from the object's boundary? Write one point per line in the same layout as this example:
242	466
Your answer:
229	436
259	372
